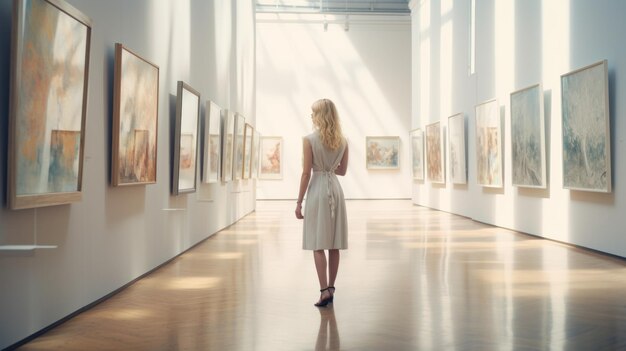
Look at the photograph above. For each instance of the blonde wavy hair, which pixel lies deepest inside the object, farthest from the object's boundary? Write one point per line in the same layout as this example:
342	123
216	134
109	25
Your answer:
326	121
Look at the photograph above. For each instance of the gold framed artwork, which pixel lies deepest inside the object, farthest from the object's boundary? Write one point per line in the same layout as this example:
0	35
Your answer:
434	154
247	151
228	123
135	119
48	103
489	144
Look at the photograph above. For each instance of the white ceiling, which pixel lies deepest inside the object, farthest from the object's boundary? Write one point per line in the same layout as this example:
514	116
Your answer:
333	6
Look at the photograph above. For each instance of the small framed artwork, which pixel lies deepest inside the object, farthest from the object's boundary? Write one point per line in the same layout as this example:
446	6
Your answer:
212	150
228	124
434	154
417	153
240	128
186	140
247	150
135	119
528	138
456	142
256	146
271	151
48	103
382	152
586	129
489	144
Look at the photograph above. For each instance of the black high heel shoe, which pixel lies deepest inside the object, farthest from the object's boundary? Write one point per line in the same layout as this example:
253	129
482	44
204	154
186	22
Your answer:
332	294
326	301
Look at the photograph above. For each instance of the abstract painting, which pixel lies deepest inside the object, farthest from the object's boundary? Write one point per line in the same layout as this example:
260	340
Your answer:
528	145
228	123
49	76
417	153
382	152
456	142
135	119
271	158
247	151
240	126
489	144
586	129
186	140
212	147
434	154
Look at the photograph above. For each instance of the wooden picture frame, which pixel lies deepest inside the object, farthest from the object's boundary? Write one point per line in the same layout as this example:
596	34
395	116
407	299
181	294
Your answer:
247	151
382	152
212	150
417	153
48	103
457	154
489	145
135	119
586	129
434	154
185	165
528	138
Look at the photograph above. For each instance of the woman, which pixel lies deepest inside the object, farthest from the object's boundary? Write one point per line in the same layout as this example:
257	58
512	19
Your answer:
325	222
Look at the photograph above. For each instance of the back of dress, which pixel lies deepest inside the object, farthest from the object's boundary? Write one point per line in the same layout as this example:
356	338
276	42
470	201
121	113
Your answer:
325	221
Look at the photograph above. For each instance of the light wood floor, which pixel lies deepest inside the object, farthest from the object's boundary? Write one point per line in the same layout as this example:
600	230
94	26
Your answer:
412	279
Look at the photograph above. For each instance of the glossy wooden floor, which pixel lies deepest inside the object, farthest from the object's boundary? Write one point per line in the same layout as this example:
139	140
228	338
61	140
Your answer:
413	279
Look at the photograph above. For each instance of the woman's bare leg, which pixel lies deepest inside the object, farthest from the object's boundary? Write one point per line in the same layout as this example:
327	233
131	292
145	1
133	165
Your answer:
320	266
333	266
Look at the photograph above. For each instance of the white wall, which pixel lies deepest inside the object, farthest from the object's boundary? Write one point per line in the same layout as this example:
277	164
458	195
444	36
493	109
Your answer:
366	71
520	43
115	235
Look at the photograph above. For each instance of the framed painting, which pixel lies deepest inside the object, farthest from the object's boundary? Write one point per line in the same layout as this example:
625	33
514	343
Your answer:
256	146
48	103
417	153
489	144
240	126
271	151
528	138
186	139
228	124
434	154
586	129
135	119
382	152
212	152
456	143
247	151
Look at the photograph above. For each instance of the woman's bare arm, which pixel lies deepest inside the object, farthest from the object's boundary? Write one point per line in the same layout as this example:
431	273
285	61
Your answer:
307	164
343	165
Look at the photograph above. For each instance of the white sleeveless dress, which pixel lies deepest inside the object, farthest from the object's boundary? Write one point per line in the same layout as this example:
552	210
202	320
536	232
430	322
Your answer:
325	221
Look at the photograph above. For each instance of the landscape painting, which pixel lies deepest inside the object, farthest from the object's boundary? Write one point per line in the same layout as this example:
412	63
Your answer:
434	153
456	142
586	129
528	146
489	145
48	103
186	140
382	152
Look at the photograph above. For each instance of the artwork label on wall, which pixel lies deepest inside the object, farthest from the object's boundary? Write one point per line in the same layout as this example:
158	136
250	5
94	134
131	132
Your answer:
417	153
212	144
434	154
48	103
228	124
247	151
186	140
489	145
456	142
135	119
271	158
240	126
528	146
382	152
586	129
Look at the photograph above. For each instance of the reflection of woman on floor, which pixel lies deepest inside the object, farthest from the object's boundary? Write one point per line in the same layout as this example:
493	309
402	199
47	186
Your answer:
328	335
